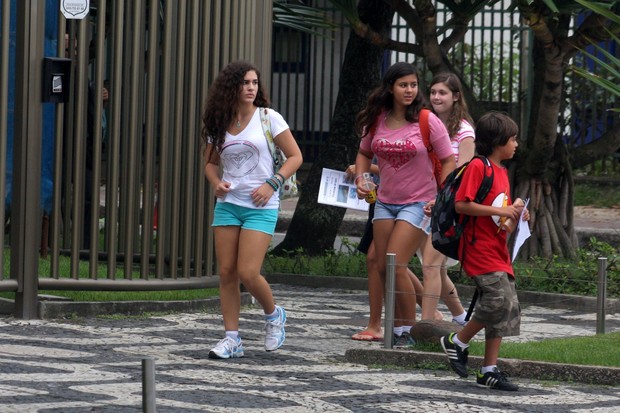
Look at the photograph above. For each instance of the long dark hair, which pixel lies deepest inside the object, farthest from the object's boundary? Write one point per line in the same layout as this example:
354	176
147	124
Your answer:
381	99
459	108
221	107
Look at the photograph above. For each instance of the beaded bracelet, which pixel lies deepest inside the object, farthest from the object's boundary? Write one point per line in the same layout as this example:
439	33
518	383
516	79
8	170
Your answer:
271	184
282	179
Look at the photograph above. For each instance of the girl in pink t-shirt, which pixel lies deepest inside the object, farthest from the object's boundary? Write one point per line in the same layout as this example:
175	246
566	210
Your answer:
390	130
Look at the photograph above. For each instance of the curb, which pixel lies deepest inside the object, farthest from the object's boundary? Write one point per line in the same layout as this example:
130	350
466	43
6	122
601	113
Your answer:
609	376
68	309
412	359
549	300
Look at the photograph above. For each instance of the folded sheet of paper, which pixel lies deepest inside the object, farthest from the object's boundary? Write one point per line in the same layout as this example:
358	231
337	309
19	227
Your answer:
337	190
523	232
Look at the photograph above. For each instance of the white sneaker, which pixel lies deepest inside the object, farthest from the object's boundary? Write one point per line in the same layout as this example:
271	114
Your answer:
274	330
227	348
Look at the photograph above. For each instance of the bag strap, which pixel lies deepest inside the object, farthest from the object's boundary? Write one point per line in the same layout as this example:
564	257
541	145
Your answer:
425	129
426	138
265	122
482	193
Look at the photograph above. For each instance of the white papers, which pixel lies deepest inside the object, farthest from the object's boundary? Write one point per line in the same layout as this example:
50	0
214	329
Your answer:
336	190
523	232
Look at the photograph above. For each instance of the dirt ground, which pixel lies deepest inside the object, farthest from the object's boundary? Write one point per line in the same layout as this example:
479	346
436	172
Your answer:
604	218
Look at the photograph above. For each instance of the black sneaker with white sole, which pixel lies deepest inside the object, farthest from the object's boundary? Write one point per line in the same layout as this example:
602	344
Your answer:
456	355
496	380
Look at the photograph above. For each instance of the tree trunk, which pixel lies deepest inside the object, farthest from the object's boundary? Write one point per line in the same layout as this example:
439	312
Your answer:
544	175
314	226
607	144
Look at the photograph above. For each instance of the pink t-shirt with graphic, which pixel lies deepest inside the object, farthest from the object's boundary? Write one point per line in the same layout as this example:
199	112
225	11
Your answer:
404	165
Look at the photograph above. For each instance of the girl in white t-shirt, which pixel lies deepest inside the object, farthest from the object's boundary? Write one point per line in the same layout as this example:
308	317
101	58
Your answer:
390	130
450	106
246	210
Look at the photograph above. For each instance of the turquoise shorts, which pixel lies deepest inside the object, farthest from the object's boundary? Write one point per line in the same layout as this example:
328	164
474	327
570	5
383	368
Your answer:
227	214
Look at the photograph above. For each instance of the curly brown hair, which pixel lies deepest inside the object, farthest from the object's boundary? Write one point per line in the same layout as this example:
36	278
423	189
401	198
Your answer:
222	100
381	99
459	108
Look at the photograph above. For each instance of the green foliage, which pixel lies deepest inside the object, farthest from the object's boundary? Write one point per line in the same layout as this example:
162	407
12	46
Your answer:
497	85
544	275
305	19
347	262
562	276
599	196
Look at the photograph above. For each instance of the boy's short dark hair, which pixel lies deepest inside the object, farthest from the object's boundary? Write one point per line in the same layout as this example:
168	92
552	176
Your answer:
494	129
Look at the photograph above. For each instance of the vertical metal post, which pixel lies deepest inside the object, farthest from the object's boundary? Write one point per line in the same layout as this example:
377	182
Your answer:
25	211
601	299
148	385
4	115
390	277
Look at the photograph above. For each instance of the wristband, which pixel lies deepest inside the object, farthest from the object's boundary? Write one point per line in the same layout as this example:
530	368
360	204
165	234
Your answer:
356	178
271	184
282	178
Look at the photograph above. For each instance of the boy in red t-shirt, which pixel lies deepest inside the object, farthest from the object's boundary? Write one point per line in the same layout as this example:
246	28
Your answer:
487	260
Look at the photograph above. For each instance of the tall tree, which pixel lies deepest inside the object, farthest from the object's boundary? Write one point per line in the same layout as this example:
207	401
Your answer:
370	22
314	226
542	169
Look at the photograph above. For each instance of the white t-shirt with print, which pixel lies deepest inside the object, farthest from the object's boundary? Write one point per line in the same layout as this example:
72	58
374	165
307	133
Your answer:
247	162
465	131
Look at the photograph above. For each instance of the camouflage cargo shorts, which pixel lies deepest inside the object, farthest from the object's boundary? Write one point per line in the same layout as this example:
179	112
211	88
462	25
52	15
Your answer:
498	305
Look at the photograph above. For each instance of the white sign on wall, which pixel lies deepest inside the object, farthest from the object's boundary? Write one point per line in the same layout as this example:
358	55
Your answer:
74	9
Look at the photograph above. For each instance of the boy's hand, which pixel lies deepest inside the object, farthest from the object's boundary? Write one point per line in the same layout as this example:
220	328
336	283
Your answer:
514	211
526	214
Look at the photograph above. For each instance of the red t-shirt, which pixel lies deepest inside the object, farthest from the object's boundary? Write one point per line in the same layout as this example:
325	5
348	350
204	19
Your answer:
489	252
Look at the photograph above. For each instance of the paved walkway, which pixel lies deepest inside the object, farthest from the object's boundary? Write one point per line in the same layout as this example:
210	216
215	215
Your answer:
94	365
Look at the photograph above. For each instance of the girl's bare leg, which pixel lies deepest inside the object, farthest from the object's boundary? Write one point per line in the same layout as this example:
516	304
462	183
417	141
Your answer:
226	245
252	249
401	239
432	263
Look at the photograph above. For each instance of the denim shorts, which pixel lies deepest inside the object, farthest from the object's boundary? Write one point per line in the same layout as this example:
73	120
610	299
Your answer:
227	214
412	213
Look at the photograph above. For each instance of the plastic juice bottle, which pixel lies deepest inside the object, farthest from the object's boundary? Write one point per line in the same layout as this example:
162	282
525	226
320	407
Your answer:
509	224
370	185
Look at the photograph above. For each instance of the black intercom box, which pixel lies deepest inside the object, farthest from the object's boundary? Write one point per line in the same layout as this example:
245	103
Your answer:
56	79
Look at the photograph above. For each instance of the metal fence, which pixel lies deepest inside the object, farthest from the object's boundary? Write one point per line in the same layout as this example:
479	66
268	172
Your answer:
493	60
124	202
